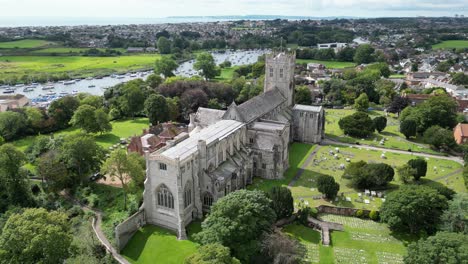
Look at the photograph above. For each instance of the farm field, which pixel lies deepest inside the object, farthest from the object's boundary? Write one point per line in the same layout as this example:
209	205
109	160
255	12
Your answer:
24	44
362	241
78	66
152	243
67	50
120	129
394	139
451	44
329	64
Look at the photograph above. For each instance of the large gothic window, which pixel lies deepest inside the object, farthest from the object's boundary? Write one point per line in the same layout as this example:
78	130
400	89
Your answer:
187	195
207	199
165	198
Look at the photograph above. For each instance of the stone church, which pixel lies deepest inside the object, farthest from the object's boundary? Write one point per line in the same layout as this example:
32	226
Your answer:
225	149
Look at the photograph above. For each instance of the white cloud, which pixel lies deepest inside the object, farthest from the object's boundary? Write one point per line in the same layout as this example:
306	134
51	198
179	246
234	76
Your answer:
163	8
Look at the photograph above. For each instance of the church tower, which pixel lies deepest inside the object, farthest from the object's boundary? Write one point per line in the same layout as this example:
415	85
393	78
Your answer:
279	73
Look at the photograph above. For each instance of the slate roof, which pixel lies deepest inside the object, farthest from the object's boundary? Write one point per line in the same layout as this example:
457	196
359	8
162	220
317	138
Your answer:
260	105
206	116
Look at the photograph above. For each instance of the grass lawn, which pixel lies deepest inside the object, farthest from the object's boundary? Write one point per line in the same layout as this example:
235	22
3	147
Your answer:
330	64
77	66
439	171
298	154
362	241
120	129
24	44
396	140
451	44
226	74
152	244
66	50
397	76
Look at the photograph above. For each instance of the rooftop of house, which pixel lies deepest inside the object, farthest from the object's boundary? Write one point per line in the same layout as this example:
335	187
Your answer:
187	147
463	128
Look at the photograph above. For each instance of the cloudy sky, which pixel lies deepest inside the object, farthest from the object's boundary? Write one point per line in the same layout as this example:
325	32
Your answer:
164	8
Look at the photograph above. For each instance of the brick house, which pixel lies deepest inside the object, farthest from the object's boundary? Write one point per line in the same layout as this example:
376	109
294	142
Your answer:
460	133
154	138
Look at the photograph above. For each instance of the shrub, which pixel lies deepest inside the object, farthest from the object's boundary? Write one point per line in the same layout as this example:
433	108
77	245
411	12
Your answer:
359	213
358	124
374	215
327	185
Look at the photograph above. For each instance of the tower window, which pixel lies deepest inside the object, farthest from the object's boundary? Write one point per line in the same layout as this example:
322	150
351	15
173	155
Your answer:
271	72
281	73
162	166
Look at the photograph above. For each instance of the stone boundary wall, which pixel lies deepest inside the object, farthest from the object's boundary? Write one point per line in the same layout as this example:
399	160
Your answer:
125	230
340	210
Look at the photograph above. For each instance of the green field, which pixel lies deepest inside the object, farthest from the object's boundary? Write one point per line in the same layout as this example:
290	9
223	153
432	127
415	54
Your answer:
120	129
451	44
362	241
393	138
80	66
397	76
153	244
65	50
329	64
24	44
226	74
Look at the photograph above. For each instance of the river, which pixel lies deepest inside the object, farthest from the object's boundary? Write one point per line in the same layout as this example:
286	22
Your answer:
98	86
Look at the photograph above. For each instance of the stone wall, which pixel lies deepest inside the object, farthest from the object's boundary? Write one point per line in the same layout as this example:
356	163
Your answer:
125	230
340	210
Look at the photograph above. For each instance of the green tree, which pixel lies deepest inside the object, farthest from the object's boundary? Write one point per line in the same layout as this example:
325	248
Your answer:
206	64
443	247
103	121
361	103
164	45
413	208
420	166
408	127
173	108
358	124
326	184
380	123
165	66
82	156
62	110
303	95
372	175
12	124
93	100
405	172
2	140
439	137
212	254
132	99
460	78
51	169
237	221
124	167
14	187
34	117
455	218
35	236
91	120
213	103
154	80
414	67
364	54
156	109
282	201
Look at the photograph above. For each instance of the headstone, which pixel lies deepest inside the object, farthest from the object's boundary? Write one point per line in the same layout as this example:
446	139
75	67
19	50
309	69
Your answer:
366	201
348	199
373	193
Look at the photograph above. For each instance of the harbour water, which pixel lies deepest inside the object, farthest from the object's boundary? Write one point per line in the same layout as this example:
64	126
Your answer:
44	93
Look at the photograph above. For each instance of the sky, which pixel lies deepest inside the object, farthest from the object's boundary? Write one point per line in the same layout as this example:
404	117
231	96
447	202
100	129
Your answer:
165	8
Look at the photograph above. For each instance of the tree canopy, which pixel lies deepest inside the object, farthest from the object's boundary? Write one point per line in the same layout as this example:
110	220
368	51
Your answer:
165	66
358	124
212	254
156	109
413	208
361	103
326	184
206	64
237	221
282	201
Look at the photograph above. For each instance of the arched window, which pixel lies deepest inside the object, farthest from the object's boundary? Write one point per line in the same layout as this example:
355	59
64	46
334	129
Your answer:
207	199
187	195
165	198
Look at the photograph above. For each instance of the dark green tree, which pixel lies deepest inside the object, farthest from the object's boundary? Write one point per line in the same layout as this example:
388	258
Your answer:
358	124
364	54
372	175
443	247
156	109
303	95
420	166
361	103
326	184
408	127
165	66
52	170
439	137
282	201
237	221
164	45
12	125
455	218
154	80
62	110
413	208
132	99
380	123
